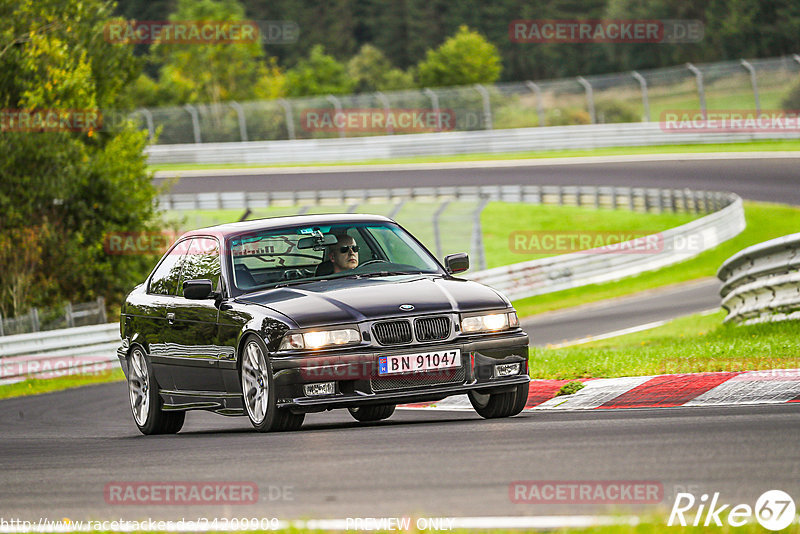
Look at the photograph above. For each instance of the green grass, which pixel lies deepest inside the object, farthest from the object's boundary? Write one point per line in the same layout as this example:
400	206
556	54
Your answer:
753	146
36	386
692	344
764	221
501	222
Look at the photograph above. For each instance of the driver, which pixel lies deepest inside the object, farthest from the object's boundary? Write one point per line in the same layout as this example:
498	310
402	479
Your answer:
344	254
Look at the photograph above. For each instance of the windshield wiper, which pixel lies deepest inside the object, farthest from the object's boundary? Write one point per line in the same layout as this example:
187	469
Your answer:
292	283
385	273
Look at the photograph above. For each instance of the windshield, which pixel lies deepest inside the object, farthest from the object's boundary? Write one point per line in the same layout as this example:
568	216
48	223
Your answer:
288	256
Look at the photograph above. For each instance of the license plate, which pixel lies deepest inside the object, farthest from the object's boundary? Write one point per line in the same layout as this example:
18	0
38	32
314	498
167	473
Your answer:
423	361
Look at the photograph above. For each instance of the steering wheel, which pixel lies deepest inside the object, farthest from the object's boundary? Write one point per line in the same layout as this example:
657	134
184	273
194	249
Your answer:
292	274
372	261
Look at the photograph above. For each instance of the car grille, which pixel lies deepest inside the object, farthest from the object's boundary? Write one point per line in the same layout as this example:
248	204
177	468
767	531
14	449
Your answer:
444	376
432	328
392	332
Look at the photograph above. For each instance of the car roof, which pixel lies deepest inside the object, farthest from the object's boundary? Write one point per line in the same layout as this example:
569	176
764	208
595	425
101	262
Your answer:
230	229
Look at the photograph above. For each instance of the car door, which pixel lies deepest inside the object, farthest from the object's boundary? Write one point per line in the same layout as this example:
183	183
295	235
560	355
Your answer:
151	318
196	351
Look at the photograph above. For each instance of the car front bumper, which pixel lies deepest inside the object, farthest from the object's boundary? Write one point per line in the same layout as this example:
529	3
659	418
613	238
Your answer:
357	382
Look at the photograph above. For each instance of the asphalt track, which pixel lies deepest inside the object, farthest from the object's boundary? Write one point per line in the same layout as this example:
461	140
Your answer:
59	451
765	179
622	313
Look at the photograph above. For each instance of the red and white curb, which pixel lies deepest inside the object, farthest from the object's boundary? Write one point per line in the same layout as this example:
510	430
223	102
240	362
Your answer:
777	386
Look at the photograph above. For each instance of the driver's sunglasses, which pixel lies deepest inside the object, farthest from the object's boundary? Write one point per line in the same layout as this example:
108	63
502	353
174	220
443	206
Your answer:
343	250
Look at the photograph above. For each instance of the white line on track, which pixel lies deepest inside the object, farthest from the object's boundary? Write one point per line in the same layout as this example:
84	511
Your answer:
622	332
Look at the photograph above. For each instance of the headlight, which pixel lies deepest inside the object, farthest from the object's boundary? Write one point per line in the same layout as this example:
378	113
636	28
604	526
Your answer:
319	339
492	322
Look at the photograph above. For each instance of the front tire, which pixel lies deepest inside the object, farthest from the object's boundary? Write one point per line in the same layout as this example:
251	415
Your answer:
494	405
258	391
368	414
146	402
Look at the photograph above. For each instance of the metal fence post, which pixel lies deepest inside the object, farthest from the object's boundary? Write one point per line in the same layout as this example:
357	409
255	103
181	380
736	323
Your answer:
386	109
287	109
645	101
148	117
477	234
338	105
796	57
242	124
396	209
2	331
753	83
195	121
68	314
435	105
101	302
539	106
701	92
34	313
437	239
487	106
589	97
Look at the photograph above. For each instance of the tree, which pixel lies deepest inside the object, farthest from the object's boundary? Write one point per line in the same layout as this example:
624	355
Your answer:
463	59
370	70
62	192
215	72
319	74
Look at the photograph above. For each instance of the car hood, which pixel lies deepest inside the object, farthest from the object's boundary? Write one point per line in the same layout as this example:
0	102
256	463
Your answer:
352	300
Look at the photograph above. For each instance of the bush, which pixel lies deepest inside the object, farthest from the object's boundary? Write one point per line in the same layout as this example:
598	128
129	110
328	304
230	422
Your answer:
610	111
792	100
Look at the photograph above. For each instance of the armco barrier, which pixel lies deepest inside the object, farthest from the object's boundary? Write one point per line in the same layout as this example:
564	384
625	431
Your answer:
762	282
443	144
69	351
557	273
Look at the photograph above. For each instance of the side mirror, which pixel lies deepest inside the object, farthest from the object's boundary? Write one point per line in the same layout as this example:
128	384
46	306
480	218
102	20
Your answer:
456	263
197	289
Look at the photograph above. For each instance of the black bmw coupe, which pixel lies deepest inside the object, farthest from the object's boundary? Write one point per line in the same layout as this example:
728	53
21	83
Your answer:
280	317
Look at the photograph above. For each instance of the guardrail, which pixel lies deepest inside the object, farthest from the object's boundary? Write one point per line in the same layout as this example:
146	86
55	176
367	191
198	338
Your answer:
762	282
69	351
595	266
444	144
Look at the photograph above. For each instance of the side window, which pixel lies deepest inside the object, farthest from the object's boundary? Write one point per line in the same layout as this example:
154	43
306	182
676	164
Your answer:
201	261
165	279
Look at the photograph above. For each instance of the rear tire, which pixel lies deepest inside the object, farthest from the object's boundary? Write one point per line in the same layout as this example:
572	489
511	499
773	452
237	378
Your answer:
145	402
494	405
368	414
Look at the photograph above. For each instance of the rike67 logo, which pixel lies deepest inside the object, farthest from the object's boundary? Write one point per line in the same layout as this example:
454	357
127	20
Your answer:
774	510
